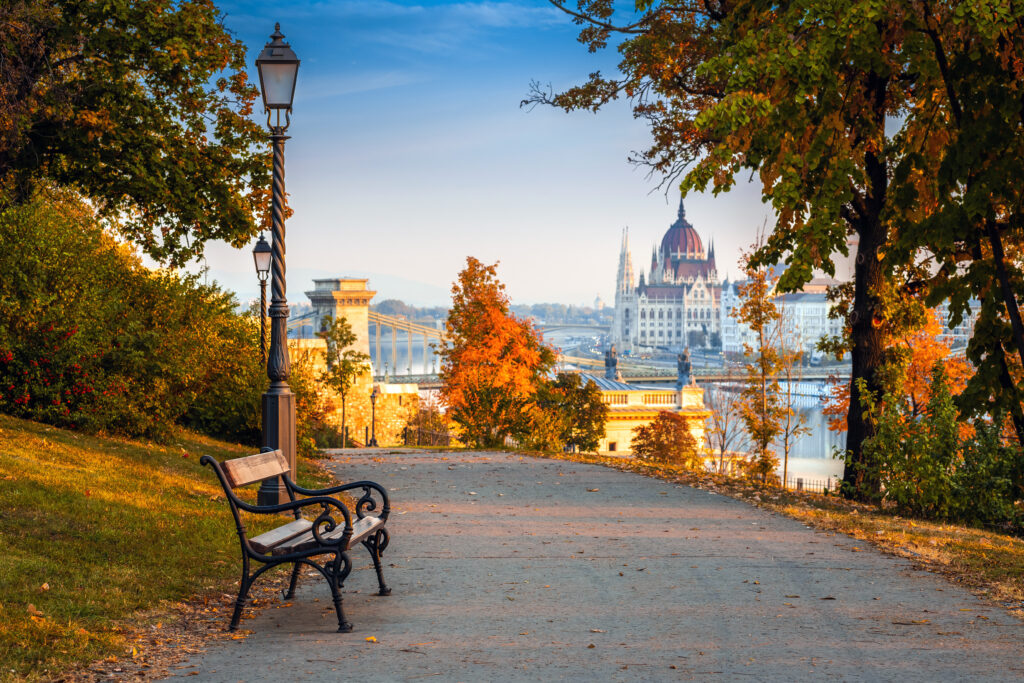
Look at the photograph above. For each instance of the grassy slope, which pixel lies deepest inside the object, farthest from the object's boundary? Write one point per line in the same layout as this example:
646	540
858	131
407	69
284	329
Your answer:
94	530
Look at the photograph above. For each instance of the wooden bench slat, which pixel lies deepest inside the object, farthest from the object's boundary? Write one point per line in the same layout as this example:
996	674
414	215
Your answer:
275	537
253	468
361	528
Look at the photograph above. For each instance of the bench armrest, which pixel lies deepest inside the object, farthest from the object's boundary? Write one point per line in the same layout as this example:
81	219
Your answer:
365	504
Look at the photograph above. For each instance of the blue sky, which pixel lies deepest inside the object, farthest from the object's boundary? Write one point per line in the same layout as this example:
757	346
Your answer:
409	152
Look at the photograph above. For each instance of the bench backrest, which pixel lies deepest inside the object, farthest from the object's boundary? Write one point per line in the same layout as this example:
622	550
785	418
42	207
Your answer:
253	468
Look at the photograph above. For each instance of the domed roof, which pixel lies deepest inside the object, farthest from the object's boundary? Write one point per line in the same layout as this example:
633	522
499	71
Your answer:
681	238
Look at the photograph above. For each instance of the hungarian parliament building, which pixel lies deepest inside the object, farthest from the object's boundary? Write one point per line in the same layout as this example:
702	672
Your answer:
678	303
681	303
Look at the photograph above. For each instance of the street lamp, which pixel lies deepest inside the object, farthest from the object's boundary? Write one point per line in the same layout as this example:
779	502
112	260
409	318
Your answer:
261	254
373	416
278	68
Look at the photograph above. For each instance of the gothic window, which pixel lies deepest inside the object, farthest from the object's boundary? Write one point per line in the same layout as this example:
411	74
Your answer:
643	314
670	314
661	315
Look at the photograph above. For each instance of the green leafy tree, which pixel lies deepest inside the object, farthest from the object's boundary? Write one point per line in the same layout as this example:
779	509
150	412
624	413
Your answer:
92	340
144	106
344	364
493	363
894	123
586	410
567	413
668	440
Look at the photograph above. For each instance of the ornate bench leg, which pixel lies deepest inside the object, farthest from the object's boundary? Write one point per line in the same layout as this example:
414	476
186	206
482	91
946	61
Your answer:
291	585
376	545
340	568
243	591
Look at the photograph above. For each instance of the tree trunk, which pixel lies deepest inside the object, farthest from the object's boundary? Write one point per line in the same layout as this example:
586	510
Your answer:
868	347
867	354
344	434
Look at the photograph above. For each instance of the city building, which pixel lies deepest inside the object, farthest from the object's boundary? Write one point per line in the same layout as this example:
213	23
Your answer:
631	406
676	305
803	316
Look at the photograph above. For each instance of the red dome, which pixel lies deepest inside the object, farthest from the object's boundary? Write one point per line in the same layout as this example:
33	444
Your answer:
681	238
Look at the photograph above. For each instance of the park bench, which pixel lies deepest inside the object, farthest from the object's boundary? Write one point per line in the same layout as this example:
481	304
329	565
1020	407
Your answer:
331	532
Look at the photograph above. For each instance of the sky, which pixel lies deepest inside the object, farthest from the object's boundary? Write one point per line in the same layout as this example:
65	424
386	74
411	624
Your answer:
409	152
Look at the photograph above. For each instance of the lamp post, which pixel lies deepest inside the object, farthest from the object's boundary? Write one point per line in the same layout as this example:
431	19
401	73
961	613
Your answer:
261	254
278	67
373	416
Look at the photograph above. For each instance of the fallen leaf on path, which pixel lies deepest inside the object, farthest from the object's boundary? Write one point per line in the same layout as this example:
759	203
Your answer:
371	639
597	630
593	490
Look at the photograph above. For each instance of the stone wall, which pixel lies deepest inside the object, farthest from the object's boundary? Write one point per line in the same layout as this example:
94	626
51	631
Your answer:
396	403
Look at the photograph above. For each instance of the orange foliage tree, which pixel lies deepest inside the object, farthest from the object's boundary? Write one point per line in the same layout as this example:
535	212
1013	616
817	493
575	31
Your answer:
493	362
913	355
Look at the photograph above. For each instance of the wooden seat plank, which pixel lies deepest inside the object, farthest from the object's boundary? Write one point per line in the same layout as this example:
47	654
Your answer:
253	468
275	537
361	528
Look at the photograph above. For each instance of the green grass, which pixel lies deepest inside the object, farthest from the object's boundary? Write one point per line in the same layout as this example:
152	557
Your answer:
97	530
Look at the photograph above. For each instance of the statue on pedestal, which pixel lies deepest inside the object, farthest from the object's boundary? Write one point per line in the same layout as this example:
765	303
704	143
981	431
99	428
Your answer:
611	363
683	376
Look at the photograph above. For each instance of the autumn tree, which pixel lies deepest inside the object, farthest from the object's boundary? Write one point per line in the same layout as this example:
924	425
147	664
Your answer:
915	351
760	405
493	362
344	364
668	440
895	123
792	425
725	423
142	105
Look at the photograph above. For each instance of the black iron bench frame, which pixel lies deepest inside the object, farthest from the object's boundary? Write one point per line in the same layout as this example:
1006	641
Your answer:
301	540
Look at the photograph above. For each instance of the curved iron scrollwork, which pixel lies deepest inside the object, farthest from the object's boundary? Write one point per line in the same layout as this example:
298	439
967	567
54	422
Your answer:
324	524
382	539
366	503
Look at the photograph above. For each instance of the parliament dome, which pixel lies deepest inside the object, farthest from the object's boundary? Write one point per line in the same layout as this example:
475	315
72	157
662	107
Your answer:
681	240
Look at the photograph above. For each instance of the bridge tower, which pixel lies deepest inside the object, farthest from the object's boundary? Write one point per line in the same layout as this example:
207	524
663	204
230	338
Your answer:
345	298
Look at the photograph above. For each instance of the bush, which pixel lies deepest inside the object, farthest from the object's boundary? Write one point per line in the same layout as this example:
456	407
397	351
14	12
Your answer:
933	466
668	440
91	339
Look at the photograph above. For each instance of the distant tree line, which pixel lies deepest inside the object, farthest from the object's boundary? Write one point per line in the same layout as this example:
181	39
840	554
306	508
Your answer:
548	314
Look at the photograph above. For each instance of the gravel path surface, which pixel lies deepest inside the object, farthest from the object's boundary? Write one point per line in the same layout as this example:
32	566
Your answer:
506	568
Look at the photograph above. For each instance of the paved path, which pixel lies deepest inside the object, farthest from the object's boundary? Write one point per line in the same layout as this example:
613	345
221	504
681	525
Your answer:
507	568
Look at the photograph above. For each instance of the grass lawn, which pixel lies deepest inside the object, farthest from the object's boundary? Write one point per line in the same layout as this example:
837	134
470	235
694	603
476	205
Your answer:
988	562
98	530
